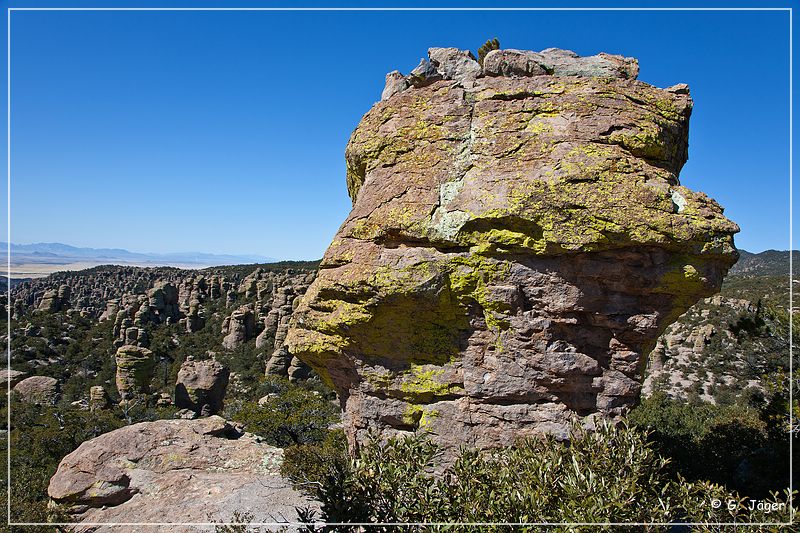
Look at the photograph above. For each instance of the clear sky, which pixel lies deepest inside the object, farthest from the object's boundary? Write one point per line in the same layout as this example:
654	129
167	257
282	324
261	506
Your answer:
224	132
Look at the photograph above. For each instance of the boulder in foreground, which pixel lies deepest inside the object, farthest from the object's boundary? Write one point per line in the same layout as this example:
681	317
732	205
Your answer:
173	471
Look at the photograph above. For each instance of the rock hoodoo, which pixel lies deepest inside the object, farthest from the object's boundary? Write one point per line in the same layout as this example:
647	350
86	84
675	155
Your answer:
201	386
54	300
135	367
239	327
519	239
98	398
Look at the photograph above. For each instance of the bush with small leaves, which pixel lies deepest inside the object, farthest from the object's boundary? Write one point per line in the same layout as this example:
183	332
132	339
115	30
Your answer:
40	437
309	465
612	475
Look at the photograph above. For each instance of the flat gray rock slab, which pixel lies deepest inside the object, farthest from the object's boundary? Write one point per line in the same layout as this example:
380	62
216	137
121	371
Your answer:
175	472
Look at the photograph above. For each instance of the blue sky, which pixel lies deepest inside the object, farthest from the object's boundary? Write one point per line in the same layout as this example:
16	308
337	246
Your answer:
224	132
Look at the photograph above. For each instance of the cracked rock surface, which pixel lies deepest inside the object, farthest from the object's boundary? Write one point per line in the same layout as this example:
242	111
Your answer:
518	241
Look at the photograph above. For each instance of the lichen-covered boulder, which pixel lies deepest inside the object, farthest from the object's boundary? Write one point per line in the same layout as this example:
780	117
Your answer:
135	367
516	246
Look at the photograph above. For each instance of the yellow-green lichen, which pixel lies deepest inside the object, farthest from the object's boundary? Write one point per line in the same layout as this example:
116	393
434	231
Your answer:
419	417
424	384
469	277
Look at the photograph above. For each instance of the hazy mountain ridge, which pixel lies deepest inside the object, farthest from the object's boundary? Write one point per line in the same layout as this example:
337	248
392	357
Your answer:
32	260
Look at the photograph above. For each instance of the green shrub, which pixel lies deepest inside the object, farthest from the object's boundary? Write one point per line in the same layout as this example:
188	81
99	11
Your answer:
710	442
611	475
40	438
295	415
308	465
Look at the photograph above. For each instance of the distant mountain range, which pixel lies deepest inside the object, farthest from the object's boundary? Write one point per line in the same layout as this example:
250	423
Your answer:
49	256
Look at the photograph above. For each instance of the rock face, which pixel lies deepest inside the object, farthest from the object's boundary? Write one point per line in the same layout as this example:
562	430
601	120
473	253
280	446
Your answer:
558	63
201	386
517	243
134	371
42	390
276	326
173	471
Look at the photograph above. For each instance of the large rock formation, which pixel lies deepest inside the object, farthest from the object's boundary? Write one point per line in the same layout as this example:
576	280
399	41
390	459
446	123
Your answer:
98	398
141	302
173	471
163	303
135	367
276	326
14	376
201	386
518	241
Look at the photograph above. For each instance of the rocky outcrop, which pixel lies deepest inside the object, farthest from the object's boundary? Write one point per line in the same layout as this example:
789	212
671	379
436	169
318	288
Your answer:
42	390
163	303
173	471
98	398
276	326
14	376
239	327
558	63
201	386
195	317
139	301
461	66
90	292
135	367
516	245
135	336
135	311
55	300
111	310
720	346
